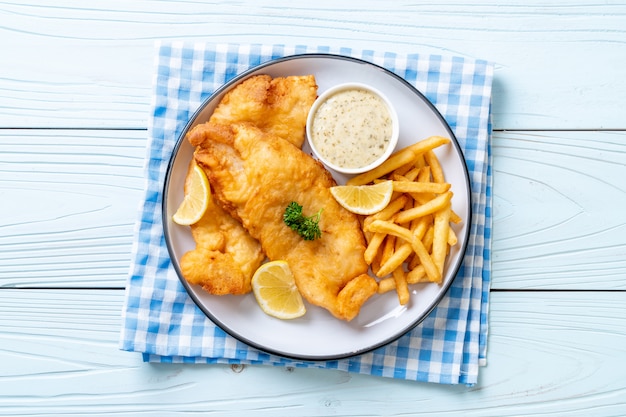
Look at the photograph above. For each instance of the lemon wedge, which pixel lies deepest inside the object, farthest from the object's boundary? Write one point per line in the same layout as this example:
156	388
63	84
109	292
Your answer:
197	196
363	199
275	290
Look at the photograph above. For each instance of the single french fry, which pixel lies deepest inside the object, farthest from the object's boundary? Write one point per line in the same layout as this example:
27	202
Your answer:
420	187
402	288
388	248
440	239
398	159
452	239
422	225
455	218
386	285
435	166
375	265
398	245
427	240
416	275
428	144
396	260
429	266
373	247
428	208
390	228
412	174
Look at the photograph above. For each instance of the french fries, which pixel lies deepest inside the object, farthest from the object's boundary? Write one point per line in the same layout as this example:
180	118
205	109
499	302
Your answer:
408	241
399	159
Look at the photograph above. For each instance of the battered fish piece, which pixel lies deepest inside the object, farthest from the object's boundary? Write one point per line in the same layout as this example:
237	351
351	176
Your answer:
279	106
255	175
225	257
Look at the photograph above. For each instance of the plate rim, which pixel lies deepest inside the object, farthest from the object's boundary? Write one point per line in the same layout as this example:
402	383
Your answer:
274	351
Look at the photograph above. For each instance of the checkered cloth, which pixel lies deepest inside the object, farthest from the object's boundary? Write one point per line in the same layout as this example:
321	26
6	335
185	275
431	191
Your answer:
162	322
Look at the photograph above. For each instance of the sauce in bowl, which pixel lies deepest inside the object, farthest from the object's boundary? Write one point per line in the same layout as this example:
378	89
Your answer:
352	128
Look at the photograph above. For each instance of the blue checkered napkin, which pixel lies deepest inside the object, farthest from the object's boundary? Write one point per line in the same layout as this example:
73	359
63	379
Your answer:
161	321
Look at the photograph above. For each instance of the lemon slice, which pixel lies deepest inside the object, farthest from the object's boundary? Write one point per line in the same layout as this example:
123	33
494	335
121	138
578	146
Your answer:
196	201
275	290
363	199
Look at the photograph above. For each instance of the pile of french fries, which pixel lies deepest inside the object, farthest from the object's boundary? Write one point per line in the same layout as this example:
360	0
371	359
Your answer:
408	241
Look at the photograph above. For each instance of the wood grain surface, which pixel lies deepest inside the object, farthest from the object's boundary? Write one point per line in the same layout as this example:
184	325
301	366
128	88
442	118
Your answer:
556	199
75	91
559	64
550	354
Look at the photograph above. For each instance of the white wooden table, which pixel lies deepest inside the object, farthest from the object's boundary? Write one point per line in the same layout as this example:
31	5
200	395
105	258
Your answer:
75	84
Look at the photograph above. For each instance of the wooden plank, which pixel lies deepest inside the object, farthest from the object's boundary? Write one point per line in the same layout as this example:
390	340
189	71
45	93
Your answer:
70	199
559	202
558	64
549	353
559	210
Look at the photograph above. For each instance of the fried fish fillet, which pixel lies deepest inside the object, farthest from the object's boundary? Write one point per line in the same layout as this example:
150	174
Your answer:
275	105
225	256
255	175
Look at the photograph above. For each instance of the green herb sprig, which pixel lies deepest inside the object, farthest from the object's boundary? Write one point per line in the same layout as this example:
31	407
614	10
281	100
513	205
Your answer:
307	227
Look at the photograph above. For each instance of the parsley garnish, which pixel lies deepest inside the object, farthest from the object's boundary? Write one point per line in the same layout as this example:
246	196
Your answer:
307	227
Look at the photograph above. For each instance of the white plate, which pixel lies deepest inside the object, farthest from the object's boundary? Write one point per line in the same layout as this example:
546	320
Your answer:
318	335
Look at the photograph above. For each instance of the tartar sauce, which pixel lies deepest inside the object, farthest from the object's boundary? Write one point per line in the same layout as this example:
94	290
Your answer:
352	128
